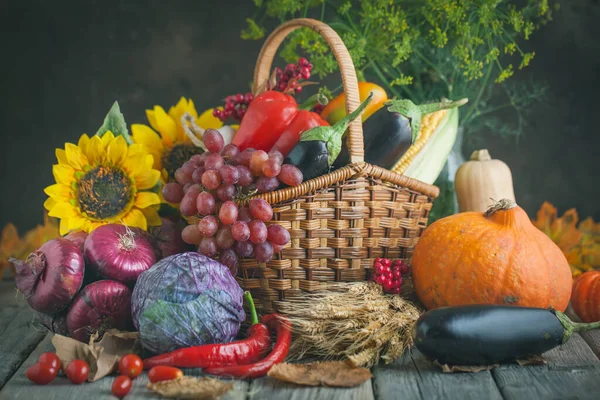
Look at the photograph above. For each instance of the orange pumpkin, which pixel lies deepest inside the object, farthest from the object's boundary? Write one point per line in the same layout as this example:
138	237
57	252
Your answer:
496	257
585	299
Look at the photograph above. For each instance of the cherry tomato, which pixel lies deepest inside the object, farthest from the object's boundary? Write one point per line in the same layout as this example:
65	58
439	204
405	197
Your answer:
121	386
41	374
164	373
77	371
50	358
131	365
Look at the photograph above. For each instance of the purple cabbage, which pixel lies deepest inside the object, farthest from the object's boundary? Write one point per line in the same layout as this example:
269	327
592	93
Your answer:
186	300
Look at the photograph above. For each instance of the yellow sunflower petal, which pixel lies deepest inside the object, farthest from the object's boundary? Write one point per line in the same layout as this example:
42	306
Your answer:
49	203
64	174
61	156
183	106
59	191
152	217
64	227
165	125
117	150
134	165
207	120
143	134
147	179
146	199
136	149
75	156
106	139
62	210
135	218
77	223
83	143
95	151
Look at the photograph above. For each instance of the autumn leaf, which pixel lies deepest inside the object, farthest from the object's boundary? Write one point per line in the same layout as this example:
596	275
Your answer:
332	374
563	231
190	387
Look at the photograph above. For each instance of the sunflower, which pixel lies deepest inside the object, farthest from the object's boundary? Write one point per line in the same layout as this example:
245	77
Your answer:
101	181
165	138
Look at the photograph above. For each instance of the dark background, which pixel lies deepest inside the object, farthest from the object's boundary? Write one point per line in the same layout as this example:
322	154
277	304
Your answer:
65	62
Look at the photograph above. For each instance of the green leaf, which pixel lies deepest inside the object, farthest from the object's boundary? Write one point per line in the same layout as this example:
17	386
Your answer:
115	122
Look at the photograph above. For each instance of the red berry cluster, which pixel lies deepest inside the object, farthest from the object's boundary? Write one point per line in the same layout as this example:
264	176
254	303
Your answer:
389	275
288	79
235	107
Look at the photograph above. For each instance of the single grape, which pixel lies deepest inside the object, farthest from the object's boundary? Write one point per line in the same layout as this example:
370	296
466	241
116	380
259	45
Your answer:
277	234
243	158
188	167
244	214
213	140
264	184
240	231
206	204
211	179
244	249
194	187
228	213
182	177
199	158
263	252
225	192
191	235
276	248
208	226
229	174
197	174
187	186
276	155
290	175
188	203
261	210
271	168
245	175
208	246
257	160
258	231
229	258
230	151
173	192
213	161
224	238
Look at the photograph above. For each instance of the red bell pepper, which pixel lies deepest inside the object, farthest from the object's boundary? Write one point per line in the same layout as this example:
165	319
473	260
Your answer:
273	121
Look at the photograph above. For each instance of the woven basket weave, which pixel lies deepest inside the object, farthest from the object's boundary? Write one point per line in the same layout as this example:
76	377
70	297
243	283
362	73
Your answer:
339	222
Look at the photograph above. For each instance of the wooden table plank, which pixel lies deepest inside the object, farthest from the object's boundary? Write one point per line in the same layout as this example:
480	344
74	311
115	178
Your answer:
414	377
17	339
575	353
272	389
18	387
592	338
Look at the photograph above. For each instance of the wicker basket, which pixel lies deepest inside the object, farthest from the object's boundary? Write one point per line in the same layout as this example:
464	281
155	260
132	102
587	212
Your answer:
339	222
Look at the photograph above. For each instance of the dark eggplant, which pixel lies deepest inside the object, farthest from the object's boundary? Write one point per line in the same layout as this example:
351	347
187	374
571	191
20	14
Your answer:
390	132
319	147
490	334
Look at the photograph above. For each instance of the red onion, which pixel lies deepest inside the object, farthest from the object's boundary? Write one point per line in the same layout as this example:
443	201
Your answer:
78	237
54	323
119	252
51	276
100	306
167	238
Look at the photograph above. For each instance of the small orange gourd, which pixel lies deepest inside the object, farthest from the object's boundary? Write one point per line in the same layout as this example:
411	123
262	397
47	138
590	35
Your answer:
496	257
585	299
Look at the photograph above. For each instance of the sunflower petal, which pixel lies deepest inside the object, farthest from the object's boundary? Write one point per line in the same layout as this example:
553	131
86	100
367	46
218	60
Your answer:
146	199
64	174
134	165
95	151
49	203
83	143
75	156
207	120
59	191
106	139
135	218
61	156
117	150
147	179
144	135
62	210
165	125
64	227
152	217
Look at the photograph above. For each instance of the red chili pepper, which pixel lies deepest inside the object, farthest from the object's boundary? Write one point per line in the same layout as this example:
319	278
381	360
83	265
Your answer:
280	351
241	352
273	117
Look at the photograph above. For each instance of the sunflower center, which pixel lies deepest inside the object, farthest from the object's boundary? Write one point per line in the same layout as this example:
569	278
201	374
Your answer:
177	155
104	192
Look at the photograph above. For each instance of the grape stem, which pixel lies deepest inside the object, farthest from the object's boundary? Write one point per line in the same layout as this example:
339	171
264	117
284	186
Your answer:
192	130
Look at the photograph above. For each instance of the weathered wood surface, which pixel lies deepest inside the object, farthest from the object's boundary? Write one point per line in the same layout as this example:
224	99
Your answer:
572	372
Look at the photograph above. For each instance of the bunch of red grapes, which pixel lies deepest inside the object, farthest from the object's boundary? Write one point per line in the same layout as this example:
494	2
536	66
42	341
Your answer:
208	189
389	274
285	81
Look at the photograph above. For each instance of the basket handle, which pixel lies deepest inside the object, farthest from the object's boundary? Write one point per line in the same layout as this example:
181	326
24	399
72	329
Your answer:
349	80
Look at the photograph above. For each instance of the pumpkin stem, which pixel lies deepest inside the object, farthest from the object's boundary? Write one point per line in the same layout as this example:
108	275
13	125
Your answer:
502	205
571	326
481	155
